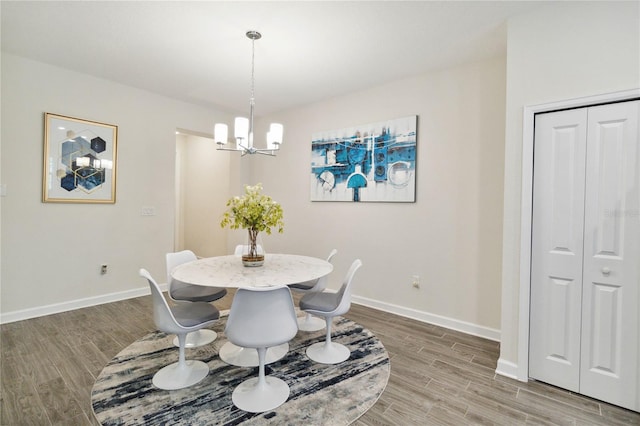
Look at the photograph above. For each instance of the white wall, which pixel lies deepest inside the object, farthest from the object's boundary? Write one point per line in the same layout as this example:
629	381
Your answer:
561	51
51	253
451	236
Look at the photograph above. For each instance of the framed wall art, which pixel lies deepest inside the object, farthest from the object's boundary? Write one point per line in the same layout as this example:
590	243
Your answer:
367	163
80	159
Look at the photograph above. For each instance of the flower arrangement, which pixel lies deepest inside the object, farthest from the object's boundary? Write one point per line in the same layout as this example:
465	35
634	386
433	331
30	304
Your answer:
254	212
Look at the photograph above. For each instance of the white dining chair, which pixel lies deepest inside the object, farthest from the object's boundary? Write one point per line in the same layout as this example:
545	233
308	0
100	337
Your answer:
261	318
330	305
248	357
188	293
179	320
309	322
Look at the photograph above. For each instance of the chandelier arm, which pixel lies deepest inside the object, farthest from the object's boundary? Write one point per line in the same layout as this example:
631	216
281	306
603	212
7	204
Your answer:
244	151
221	148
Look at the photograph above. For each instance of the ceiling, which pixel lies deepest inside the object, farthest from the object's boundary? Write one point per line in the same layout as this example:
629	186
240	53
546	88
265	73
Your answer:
310	51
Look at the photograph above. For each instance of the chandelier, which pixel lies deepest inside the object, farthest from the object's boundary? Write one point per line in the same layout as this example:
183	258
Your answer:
243	127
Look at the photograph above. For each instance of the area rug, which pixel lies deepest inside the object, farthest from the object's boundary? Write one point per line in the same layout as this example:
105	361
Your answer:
320	394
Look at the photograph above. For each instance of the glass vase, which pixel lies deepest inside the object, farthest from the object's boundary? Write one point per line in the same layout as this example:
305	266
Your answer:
253	251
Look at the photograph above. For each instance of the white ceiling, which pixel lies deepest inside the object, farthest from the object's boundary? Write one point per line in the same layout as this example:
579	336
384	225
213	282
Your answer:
198	51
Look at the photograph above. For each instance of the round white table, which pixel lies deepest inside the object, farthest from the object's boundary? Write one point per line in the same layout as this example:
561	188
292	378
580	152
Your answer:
228	271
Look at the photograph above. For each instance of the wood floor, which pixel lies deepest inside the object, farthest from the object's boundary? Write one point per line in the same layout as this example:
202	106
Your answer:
438	376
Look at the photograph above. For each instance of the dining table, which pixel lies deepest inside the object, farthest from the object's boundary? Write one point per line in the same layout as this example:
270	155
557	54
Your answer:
228	271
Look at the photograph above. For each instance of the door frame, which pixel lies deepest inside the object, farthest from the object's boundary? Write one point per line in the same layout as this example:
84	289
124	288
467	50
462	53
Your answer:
526	207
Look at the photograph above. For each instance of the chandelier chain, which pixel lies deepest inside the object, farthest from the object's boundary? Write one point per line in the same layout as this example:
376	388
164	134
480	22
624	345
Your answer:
253	54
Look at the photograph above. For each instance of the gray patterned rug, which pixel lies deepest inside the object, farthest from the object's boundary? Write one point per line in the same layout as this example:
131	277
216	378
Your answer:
320	394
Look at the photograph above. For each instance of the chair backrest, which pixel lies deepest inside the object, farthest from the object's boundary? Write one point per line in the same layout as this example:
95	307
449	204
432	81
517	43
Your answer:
261	317
321	283
344	294
240	248
175	259
331	254
162	315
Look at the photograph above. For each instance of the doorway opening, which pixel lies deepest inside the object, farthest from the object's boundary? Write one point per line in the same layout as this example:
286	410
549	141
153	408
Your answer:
201	191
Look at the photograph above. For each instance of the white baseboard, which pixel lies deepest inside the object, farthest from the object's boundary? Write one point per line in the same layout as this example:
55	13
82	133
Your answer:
465	327
453	324
504	368
507	369
40	311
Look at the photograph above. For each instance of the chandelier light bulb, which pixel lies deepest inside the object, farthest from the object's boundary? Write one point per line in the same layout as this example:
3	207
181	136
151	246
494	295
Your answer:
220	133
242	129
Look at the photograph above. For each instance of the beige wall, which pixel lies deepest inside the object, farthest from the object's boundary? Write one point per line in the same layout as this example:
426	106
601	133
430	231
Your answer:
557	52
51	253
451	236
454	236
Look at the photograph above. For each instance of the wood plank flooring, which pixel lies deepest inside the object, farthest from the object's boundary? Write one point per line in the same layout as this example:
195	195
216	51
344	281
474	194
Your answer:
438	376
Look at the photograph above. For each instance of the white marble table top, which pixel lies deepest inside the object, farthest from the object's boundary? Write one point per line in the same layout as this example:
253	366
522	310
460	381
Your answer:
228	271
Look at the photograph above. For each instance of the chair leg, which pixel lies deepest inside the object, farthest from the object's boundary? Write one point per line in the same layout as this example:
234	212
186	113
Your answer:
262	383
327	339
328	352
182	363
261	393
180	374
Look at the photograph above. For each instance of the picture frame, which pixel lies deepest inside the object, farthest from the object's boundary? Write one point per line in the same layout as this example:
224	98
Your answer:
374	162
79	160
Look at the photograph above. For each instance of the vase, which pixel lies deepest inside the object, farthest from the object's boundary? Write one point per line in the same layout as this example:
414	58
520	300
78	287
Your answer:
253	253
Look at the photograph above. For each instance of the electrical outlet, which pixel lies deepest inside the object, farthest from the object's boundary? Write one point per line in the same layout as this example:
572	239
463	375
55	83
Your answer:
415	281
148	211
103	269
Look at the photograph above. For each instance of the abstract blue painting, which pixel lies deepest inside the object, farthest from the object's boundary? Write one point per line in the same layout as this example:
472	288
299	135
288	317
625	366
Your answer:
367	163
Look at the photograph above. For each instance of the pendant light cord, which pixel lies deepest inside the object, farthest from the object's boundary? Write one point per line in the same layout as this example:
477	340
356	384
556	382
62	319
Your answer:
252	98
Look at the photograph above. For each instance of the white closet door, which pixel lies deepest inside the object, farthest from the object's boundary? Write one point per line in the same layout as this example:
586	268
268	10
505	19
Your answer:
610	355
557	248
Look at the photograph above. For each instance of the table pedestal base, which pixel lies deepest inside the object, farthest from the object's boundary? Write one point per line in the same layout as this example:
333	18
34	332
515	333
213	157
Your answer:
248	357
311	323
197	338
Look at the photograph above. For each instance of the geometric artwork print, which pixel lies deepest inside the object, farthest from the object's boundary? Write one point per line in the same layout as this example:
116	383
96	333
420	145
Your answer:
79	164
79	160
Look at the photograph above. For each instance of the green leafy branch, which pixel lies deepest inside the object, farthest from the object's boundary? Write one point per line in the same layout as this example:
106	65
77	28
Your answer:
253	211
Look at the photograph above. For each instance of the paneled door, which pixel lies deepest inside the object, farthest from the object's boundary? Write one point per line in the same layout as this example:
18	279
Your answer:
557	248
585	274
